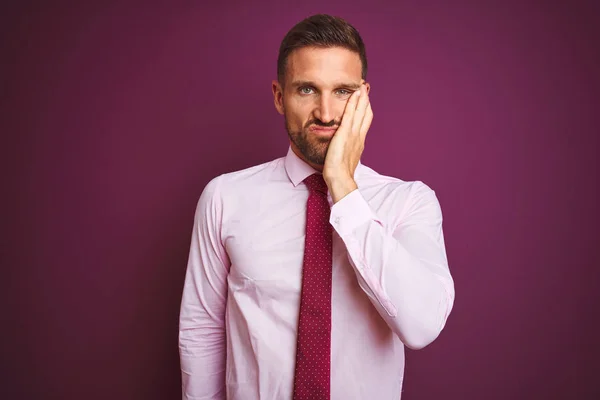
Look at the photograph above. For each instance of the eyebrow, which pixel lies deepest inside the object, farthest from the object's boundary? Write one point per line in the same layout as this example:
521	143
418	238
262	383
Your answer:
348	85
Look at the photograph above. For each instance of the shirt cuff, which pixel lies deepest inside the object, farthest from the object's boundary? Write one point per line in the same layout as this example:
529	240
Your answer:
351	212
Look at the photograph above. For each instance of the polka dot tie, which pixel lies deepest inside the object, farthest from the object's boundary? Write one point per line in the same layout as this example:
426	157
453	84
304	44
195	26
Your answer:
313	350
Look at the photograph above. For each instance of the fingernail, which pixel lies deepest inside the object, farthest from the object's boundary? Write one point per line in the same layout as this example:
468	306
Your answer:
358	93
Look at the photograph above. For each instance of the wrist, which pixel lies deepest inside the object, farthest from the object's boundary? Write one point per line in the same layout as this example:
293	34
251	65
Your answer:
340	187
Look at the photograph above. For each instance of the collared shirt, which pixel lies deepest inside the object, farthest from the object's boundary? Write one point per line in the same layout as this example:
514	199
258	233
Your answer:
239	313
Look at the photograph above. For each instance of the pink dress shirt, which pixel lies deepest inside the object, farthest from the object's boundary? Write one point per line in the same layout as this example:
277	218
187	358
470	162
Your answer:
239	312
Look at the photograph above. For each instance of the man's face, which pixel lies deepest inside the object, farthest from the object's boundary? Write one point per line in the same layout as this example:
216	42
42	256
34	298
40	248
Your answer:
318	83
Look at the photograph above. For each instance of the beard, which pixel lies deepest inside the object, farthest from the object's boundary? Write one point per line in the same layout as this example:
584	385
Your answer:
313	148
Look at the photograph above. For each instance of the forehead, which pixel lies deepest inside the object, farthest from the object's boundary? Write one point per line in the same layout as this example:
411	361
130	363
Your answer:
324	65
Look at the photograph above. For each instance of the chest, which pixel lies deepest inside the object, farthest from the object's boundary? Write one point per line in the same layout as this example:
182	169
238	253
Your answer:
266	241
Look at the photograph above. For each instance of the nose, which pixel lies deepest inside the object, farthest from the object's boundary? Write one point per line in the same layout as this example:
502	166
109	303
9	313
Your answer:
324	110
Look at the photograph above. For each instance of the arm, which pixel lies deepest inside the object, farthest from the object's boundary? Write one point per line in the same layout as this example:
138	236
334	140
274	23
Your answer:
202	318
402	267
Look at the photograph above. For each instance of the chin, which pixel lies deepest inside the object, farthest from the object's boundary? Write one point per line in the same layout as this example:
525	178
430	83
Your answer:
317	157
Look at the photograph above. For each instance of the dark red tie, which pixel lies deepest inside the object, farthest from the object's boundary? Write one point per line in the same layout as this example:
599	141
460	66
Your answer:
312	378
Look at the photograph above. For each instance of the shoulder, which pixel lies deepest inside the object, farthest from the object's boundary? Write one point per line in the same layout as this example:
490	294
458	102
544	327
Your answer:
400	196
241	181
373	180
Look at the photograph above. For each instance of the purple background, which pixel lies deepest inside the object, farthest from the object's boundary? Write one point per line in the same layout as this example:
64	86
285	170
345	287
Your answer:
114	117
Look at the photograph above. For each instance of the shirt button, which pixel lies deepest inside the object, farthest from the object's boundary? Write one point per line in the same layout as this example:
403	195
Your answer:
337	220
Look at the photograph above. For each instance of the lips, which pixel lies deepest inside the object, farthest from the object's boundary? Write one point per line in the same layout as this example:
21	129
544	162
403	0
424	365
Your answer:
322	129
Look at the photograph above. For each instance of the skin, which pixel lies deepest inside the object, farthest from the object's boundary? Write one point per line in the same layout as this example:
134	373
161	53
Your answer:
327	112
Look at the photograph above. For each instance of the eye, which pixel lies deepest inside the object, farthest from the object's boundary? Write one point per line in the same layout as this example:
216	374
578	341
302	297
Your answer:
306	90
344	92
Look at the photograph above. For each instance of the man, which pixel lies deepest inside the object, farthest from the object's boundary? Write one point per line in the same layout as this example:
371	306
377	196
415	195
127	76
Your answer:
309	274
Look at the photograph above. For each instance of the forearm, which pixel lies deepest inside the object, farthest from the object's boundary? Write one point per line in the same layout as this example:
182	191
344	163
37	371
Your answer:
403	270
202	357
413	300
202	343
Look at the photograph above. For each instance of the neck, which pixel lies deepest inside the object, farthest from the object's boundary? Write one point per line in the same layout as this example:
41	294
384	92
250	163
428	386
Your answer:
318	167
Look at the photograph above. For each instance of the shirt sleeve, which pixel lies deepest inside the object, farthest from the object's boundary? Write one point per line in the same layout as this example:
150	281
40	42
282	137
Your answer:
202	346
400	263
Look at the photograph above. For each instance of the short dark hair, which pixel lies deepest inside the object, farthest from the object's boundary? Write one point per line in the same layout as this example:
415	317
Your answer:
321	30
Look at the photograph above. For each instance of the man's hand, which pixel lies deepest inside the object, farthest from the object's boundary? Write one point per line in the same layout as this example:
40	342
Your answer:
347	145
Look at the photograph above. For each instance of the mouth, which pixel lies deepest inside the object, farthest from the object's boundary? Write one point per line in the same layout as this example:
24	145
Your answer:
322	130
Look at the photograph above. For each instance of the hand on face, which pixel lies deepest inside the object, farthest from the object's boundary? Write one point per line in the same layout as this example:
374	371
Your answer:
348	143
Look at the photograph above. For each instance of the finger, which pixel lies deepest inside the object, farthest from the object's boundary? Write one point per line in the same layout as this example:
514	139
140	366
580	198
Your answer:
361	109
366	124
349	112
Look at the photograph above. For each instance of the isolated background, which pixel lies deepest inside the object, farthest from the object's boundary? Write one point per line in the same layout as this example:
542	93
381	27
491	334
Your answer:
114	117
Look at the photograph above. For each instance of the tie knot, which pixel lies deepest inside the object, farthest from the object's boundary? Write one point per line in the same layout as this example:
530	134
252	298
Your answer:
315	182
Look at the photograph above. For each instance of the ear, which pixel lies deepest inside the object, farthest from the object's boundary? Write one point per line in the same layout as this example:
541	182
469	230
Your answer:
278	96
368	86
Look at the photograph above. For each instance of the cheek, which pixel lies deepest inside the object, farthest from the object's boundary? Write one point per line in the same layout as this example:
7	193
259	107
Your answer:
298	112
340	106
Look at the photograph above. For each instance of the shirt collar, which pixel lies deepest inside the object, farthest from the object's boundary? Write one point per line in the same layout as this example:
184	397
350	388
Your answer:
298	170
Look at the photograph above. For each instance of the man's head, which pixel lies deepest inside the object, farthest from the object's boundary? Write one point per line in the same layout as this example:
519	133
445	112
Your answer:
322	61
